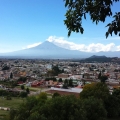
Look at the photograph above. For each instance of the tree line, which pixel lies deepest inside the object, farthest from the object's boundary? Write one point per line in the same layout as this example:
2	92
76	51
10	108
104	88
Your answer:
94	103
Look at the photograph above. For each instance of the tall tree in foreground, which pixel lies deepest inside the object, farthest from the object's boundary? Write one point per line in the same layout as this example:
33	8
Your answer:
96	90
94	109
59	108
98	10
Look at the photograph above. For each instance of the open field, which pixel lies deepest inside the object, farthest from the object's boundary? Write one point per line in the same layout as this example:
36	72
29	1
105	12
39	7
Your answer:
34	89
14	103
62	93
3	114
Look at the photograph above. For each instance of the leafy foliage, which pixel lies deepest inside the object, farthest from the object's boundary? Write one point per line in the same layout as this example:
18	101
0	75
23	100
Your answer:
99	75
98	10
27	90
8	97
95	109
112	105
70	83
65	85
95	104
53	78
23	79
103	78
60	80
59	108
11	75
22	87
55	95
7	93
97	90
5	67
42	96
23	94
116	93
114	26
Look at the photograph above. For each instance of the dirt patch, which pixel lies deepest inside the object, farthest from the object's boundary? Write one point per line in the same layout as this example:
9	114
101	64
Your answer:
63	92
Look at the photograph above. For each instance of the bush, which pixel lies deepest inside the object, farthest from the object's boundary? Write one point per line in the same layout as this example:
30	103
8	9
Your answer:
55	95
4	93
23	94
8	97
22	87
42	95
27	90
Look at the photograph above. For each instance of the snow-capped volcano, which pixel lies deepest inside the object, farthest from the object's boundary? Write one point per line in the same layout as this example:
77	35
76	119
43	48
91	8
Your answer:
47	50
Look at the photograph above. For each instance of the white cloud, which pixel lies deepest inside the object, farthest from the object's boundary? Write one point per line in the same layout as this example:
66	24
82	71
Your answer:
32	45
60	41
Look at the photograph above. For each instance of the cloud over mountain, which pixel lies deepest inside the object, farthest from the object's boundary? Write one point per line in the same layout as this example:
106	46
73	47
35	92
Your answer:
32	45
48	50
60	41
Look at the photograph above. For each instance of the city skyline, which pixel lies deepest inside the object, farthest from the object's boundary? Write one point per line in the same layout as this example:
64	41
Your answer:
27	23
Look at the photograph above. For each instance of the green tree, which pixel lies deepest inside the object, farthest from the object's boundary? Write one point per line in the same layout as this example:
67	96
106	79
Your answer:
27	90
8	97
54	79
112	106
63	108
97	90
59	108
103	78
116	94
12	114
22	87
99	75
25	109
98	10
11	75
23	79
70	83
12	84
42	95
84	82
55	95
56	70
95	109
3	92
66	81
5	67
23	94
49	73
60	80
65	85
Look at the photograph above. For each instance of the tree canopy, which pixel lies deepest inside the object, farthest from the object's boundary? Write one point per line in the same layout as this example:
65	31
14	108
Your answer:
97	90
95	103
98	10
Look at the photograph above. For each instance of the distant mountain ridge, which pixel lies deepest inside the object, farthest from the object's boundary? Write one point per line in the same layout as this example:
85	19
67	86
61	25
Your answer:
99	59
95	56
48	50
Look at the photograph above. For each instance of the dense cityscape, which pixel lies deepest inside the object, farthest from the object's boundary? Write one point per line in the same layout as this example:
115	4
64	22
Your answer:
29	77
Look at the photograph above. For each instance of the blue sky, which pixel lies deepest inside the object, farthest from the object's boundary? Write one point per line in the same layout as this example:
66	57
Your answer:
25	23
